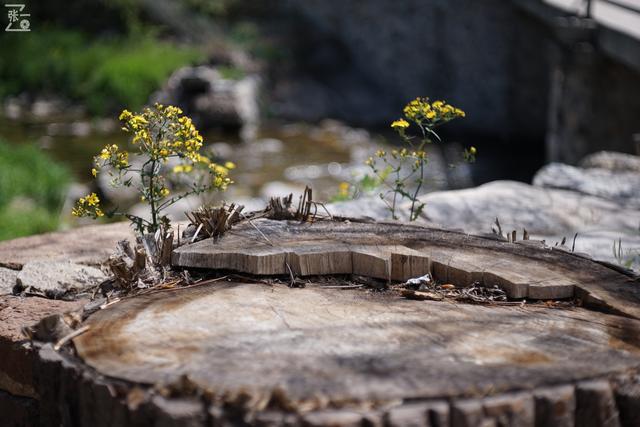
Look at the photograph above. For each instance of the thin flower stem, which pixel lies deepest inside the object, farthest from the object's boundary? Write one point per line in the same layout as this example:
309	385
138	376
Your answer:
412	215
154	213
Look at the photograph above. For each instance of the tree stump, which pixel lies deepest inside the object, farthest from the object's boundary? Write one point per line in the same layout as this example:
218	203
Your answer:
397	252
268	354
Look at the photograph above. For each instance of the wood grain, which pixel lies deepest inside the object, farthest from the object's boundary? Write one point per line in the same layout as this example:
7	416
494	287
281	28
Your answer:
352	345
397	252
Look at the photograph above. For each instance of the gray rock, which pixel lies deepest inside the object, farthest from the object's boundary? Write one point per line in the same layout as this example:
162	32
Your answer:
280	189
543	211
7	280
57	279
86	245
250	204
613	161
46	106
175	212
213	101
621	187
366	207
266	146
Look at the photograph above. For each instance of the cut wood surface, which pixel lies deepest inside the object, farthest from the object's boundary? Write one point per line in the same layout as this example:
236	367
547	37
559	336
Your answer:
351	345
393	251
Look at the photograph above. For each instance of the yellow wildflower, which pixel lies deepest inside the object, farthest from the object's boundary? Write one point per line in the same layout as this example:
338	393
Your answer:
219	170
125	115
92	199
182	168
343	189
230	165
94	172
400	124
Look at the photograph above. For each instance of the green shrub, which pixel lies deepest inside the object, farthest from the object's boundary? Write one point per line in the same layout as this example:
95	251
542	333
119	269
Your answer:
105	74
32	191
19	222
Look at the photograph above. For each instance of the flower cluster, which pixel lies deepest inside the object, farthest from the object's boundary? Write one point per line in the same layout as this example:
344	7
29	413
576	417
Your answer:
88	206
158	134
421	111
111	155
400	124
401	172
163	132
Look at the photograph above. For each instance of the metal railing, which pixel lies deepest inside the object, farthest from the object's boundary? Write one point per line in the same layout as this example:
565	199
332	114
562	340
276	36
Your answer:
589	6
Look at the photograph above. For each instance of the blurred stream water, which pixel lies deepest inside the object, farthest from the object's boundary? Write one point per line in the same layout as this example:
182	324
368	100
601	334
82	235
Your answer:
282	159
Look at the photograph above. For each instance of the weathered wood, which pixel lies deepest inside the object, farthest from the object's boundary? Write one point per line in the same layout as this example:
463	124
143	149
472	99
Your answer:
350	344
555	406
512	409
627	392
595	405
423	414
212	222
398	252
467	413
17	360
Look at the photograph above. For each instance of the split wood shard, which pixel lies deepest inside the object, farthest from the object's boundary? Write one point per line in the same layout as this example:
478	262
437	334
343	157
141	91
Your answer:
397	252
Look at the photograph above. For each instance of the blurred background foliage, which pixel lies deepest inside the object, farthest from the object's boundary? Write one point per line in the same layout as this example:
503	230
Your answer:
101	73
32	191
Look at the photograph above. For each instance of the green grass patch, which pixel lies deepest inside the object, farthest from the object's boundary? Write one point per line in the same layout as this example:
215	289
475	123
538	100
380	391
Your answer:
20	222
32	191
105	74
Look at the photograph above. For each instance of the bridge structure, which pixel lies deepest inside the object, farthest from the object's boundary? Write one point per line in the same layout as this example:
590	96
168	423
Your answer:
595	83
619	15
614	25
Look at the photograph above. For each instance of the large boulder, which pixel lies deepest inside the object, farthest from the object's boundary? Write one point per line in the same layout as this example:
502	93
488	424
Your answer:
622	187
213	101
613	161
543	211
